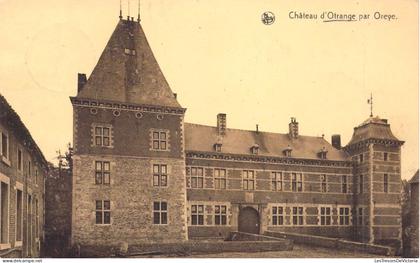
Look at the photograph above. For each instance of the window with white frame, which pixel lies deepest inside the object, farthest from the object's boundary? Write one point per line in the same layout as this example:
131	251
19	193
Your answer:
29	169
4	145
248	180
386	183
102	135
103	212
361	184
220	178
160	140
220	215
277	216
323	183
29	219
276	181
297	215
19	215
160	213
344	216
102	172
36	218
160	175
19	160
4	212
196	175
344	184
197	215
296	182
360	216
36	175
325	214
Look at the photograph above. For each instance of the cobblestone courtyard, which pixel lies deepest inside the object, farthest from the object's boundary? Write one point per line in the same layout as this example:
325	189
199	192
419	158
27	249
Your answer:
299	251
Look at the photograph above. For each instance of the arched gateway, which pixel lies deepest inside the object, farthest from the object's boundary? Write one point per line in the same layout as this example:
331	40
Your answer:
249	220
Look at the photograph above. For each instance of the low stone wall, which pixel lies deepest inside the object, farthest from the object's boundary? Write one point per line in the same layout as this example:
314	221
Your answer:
241	236
190	247
200	232
334	243
11	253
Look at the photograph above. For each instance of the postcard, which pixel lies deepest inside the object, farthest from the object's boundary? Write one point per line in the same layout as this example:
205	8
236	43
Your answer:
209	129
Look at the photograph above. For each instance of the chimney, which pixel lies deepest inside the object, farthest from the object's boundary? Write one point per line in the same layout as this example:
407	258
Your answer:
256	128
81	81
221	123
336	141
293	128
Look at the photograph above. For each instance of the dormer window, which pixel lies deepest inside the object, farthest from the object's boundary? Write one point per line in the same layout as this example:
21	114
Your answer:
255	149
288	151
218	147
131	52
323	153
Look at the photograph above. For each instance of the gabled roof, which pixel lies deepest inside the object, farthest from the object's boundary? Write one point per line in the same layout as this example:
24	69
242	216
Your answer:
415	178
202	138
12	121
127	71
372	128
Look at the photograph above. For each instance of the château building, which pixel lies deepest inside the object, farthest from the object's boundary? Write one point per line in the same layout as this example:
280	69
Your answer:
142	174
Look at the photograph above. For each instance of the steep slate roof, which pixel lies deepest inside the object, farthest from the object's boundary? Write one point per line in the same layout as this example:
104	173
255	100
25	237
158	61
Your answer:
372	128
202	138
11	120
128	72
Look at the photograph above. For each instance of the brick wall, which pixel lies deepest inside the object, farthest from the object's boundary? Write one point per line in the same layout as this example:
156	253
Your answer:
414	219
380	201
24	179
387	224
130	135
263	197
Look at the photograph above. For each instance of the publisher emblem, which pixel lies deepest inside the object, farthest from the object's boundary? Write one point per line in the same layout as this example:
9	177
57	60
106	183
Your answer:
268	18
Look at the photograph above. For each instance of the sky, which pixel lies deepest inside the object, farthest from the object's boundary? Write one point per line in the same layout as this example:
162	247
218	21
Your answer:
218	56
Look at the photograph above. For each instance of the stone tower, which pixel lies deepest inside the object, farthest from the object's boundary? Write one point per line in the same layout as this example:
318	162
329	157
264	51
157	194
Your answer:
129	161
376	153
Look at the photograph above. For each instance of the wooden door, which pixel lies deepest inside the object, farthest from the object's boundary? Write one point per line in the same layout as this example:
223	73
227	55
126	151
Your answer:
249	221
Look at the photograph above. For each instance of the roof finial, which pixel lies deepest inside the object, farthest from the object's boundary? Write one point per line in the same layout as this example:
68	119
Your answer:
370	101
138	15
129	9
120	10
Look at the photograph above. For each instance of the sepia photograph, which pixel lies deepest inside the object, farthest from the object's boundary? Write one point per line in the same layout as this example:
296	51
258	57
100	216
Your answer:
209	129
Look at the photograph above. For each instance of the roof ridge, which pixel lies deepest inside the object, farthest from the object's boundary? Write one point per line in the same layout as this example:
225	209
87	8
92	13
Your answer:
13	114
201	137
266	132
